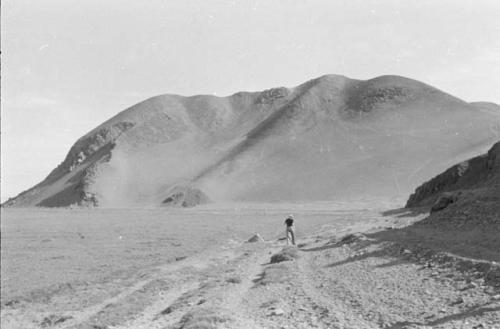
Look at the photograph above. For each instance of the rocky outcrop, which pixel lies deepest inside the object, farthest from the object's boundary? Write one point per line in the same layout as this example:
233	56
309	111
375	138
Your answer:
98	143
76	172
271	95
381	92
480	172
445	200
185	197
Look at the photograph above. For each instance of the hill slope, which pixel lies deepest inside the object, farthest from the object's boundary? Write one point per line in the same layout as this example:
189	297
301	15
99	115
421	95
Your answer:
329	138
465	197
481	173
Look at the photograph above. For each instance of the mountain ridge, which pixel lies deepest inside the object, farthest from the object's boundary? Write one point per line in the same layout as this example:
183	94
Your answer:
256	146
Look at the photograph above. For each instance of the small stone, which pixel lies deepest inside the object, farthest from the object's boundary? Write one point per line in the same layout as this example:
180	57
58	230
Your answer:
489	290
12	302
168	310
234	279
471	285
495	297
277	312
459	300
54	320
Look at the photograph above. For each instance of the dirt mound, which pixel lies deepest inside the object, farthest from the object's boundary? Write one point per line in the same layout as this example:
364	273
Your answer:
256	238
335	137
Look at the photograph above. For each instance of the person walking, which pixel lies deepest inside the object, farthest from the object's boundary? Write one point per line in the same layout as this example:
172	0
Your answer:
290	230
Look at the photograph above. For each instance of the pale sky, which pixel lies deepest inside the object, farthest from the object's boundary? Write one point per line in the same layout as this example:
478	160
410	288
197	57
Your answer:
69	65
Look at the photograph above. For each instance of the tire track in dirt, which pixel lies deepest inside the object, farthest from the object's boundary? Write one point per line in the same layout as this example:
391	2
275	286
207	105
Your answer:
145	296
148	318
236	300
224	292
198	280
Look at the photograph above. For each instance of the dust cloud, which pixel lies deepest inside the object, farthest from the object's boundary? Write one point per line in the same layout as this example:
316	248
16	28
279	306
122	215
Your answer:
141	178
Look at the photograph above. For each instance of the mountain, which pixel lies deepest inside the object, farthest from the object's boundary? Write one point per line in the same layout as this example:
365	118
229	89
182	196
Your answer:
331	138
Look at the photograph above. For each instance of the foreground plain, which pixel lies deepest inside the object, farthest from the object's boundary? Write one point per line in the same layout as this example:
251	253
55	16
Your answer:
153	268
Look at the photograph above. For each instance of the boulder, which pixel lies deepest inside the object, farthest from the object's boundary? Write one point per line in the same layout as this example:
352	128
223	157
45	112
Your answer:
444	201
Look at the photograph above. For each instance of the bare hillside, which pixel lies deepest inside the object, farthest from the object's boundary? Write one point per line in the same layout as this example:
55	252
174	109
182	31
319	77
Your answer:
329	138
479	176
464	202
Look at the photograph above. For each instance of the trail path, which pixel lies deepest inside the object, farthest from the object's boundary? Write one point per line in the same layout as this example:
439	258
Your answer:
360	282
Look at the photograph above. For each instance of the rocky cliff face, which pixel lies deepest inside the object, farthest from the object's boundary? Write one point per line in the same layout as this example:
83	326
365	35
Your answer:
79	166
479	172
185	196
330	138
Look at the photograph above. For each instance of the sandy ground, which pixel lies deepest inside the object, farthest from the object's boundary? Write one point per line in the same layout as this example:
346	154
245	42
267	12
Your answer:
370	280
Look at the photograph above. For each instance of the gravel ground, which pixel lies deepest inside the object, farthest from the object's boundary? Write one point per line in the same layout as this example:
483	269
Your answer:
349	271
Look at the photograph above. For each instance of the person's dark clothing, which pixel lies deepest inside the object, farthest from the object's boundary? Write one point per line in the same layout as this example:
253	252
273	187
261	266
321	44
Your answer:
290	232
